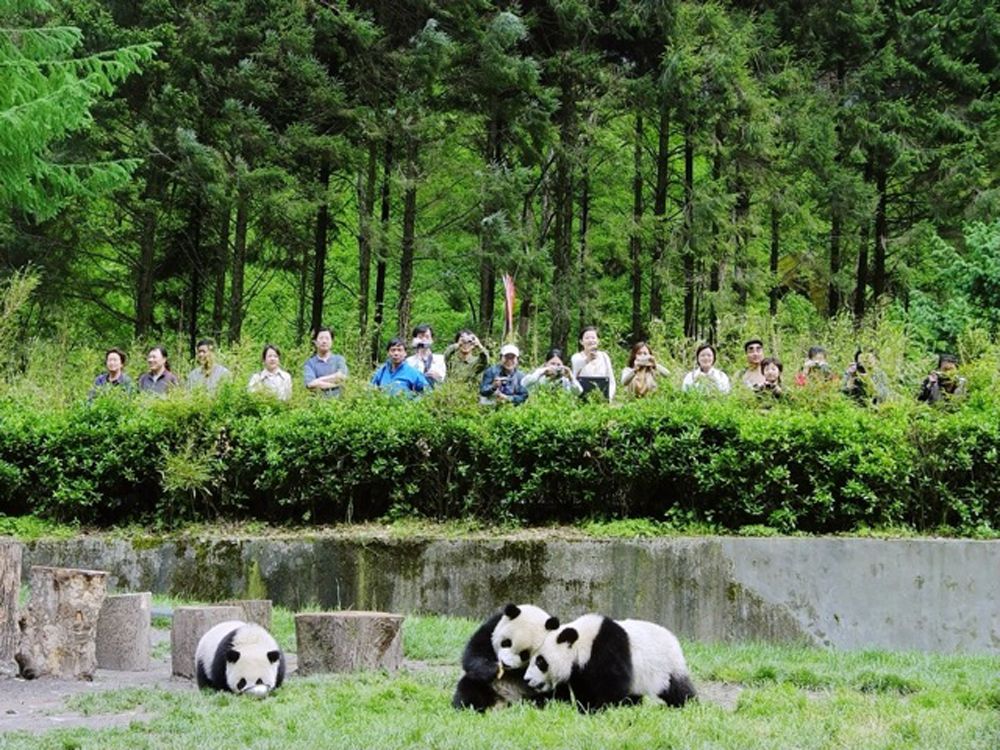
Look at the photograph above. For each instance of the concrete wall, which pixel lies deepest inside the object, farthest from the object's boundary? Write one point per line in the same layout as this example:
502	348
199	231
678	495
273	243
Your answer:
933	595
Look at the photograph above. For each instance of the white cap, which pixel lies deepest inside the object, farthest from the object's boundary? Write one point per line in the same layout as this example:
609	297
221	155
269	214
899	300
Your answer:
510	349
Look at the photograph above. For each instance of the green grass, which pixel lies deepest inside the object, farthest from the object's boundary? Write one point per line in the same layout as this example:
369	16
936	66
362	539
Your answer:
789	698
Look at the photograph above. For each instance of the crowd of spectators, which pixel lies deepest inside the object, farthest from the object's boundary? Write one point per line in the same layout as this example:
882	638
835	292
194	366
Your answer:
410	371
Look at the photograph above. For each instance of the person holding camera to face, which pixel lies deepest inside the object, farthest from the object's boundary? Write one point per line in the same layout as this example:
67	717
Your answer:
944	382
639	378
553	374
423	360
503	383
466	359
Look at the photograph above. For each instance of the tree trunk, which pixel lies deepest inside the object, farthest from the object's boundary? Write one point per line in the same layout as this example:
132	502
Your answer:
689	241
635	238
775	249
660	213
562	249
487	248
348	642
221	266
881	237
380	262
582	291
10	589
320	245
146	271
59	634
239	263
405	302
833	301
741	218
861	289
366	207
194	224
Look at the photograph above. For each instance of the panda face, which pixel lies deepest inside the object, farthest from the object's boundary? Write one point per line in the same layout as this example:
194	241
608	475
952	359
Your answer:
552	665
252	662
252	670
520	633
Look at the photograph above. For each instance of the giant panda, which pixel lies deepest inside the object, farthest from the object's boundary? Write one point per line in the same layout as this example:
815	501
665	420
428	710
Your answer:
604	662
498	653
239	657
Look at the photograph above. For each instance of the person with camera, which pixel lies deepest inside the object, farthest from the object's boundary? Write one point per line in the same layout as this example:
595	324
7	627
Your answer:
592	366
815	369
503	383
771	368
639	378
944	382
424	360
466	358
864	380
553	375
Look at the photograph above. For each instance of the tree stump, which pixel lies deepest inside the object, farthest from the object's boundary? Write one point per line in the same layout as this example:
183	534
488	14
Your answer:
10	588
348	641
189	625
59	629
123	632
254	610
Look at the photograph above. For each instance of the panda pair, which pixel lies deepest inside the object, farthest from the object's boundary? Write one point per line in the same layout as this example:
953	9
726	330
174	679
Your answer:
522	653
239	657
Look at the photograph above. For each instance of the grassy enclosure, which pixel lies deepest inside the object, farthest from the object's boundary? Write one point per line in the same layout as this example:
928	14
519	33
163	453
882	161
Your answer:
753	696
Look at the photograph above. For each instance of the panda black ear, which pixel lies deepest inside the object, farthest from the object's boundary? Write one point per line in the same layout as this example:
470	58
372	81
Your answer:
273	656
232	656
512	611
569	636
552	623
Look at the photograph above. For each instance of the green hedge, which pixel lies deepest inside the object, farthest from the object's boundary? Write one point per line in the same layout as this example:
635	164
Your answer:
820	464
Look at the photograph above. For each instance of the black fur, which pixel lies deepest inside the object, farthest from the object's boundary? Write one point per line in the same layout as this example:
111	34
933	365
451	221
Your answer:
679	692
477	689
605	679
217	678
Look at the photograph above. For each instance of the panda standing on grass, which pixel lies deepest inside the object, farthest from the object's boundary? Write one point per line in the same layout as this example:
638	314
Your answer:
604	662
497	655
239	657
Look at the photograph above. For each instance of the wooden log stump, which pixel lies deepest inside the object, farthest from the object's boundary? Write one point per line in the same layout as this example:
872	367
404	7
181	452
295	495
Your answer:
10	589
189	625
254	610
348	641
123	632
59	629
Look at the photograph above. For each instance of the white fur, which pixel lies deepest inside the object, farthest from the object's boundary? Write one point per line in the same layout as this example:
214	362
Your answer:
656	655
525	632
253	643
562	656
654	652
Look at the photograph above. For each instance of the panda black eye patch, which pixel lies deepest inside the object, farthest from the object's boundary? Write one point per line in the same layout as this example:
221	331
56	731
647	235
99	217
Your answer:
241	684
525	655
505	643
542	664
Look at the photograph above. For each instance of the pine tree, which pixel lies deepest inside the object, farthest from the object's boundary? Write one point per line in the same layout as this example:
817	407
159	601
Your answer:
46	94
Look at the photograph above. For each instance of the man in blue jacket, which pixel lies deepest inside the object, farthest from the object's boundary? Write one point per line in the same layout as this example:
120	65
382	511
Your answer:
395	376
502	383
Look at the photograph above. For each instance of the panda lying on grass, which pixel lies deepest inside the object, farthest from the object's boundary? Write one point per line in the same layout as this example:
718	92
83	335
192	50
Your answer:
497	655
604	662
239	657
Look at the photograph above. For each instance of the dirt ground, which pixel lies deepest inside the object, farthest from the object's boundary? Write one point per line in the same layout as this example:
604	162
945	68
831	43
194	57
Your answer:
40	705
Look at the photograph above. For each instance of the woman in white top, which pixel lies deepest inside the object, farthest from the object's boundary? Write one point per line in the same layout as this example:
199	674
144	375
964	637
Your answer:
553	374
639	378
272	378
706	376
591	362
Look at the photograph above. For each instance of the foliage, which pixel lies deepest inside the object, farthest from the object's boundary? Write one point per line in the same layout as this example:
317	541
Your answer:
47	92
815	463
